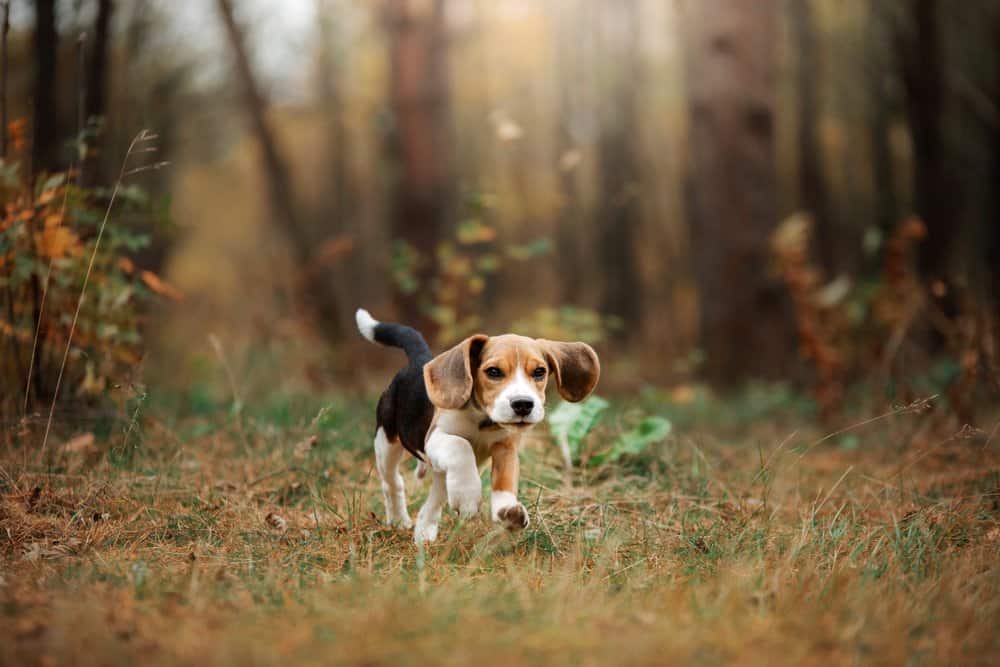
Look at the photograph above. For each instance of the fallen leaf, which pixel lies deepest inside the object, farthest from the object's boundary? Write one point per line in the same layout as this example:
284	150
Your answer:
276	521
80	444
160	286
303	448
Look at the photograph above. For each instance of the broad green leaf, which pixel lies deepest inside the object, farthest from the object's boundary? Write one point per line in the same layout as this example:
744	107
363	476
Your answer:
571	422
647	432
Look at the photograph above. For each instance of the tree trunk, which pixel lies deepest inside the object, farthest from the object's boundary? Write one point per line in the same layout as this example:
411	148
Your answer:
993	234
419	145
4	33
319	293
95	96
921	55
813	196
45	132
620	209
880	114
745	318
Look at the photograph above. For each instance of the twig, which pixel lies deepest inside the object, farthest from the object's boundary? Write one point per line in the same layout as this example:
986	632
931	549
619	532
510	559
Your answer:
916	406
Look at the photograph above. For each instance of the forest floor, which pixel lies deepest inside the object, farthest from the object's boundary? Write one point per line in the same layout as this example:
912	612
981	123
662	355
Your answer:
251	535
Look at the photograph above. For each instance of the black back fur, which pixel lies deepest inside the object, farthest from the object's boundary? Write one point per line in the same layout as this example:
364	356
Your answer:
404	410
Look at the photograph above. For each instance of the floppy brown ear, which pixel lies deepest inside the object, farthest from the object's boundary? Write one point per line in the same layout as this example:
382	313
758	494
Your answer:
576	367
448	376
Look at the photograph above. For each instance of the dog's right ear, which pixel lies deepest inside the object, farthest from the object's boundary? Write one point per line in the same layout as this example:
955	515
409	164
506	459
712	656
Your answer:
448	376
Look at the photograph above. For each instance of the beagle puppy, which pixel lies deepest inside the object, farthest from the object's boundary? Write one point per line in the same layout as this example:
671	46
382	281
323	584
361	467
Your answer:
462	408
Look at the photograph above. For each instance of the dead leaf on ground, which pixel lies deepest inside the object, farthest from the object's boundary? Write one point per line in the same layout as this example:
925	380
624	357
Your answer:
81	444
276	521
303	447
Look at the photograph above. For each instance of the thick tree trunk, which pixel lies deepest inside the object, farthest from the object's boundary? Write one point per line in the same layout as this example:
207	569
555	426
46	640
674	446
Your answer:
620	210
880	114
45	132
95	97
813	194
319	293
569	66
936	201
993	234
419	145
4	33
746	321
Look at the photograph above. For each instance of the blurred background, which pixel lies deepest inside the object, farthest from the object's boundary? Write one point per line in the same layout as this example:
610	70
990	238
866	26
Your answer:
713	192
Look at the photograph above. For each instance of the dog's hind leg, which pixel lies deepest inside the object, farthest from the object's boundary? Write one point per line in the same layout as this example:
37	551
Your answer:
430	514
387	458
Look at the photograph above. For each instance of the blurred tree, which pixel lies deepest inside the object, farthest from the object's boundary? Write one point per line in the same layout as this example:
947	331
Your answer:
338	206
574	218
318	292
880	113
813	195
921	53
419	146
4	33
95	95
620	207
993	234
746	324
45	133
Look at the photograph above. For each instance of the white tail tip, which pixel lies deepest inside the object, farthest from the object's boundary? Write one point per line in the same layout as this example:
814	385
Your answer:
366	324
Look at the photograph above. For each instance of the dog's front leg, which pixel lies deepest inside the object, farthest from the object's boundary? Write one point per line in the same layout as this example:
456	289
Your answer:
453	456
506	472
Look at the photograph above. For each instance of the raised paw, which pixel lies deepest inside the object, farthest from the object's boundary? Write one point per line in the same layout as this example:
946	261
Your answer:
513	517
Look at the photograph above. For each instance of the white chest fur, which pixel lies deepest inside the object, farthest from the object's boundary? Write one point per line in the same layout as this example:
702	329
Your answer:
466	424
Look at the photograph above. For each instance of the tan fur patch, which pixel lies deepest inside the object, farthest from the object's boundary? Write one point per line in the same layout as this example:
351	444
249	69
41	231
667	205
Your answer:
506	466
508	353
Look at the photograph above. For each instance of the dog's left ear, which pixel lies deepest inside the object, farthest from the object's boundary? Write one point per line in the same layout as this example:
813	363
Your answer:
575	366
448	376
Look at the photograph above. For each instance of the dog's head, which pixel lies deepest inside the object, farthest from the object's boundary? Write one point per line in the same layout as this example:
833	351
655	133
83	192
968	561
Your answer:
506	376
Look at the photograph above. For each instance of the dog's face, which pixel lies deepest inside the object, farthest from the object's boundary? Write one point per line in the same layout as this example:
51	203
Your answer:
506	376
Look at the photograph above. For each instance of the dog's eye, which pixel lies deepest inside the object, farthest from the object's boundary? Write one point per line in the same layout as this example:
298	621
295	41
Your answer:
538	373
494	372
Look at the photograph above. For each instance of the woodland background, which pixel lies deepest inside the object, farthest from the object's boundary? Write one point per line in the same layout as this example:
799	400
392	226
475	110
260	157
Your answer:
776	220
803	191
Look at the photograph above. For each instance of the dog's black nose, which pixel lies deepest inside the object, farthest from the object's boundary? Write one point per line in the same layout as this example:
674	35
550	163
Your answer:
522	406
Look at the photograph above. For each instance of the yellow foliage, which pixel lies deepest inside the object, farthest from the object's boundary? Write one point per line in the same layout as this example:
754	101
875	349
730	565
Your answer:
55	242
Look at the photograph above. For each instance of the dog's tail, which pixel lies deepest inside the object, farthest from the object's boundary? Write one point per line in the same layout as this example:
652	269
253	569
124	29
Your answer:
394	335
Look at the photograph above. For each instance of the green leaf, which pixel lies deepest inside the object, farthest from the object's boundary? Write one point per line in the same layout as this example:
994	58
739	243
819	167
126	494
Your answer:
648	432
571	422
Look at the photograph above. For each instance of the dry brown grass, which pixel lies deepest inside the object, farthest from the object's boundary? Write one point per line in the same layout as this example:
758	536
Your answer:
230	539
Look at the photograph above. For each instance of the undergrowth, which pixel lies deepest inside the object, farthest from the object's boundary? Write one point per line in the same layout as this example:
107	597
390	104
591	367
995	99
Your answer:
215	535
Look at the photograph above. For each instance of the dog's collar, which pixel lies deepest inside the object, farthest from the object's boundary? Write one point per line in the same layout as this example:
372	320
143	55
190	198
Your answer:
488	425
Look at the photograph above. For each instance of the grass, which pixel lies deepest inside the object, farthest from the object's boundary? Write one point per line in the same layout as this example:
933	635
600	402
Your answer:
218	536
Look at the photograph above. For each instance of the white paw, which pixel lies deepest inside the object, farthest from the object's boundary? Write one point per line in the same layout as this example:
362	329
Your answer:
465	498
425	532
512	517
